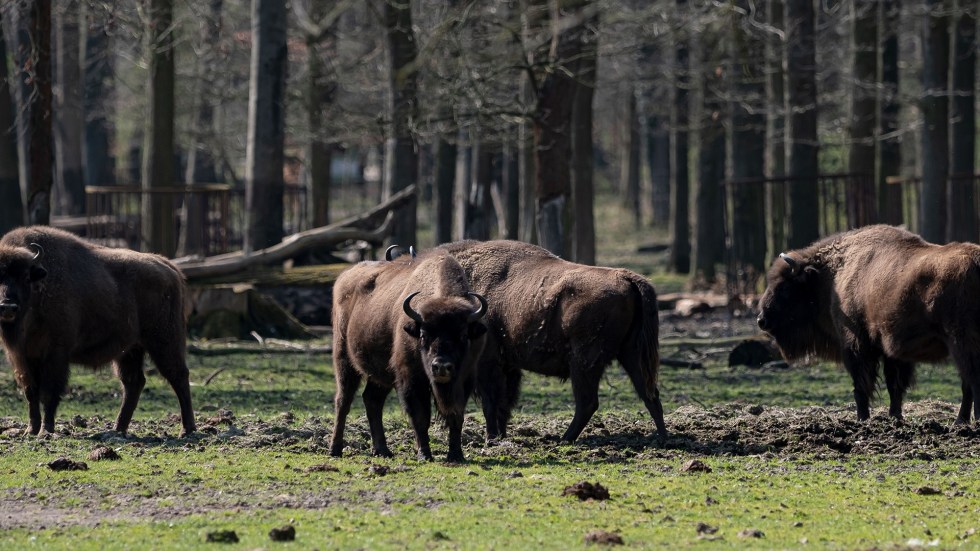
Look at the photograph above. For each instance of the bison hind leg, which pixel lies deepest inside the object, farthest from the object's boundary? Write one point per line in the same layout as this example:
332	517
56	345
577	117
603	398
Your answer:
171	363
585	388
129	369
374	397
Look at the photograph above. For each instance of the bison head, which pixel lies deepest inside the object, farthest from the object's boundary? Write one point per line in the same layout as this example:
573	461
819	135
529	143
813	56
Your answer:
19	269
444	327
789	309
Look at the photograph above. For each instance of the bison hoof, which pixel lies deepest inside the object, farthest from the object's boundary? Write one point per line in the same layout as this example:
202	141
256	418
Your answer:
425	456
383	452
456	458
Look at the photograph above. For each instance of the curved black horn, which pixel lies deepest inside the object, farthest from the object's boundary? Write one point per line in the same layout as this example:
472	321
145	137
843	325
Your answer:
39	252
482	310
388	251
793	264
407	307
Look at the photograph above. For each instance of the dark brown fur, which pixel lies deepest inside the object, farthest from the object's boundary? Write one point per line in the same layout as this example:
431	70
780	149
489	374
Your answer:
880	294
561	319
90	305
375	339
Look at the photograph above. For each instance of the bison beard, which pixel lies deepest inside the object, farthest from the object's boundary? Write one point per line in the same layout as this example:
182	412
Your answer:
409	324
879	294
561	319
63	300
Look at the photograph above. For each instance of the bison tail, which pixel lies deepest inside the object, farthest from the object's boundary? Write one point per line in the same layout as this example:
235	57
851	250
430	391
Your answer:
642	345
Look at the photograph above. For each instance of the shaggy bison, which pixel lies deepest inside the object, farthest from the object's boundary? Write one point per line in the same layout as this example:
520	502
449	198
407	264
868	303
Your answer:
879	293
563	319
63	300
413	325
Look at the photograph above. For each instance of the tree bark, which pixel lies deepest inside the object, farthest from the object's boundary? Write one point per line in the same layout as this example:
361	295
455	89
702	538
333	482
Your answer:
861	204
11	202
709	238
444	181
889	145
200	167
962	223
264	155
801	97
41	139
97	59
680	251
401	156
776	130
748	143
69	179
583	186
320	93
511	189
629	173
934	106
658	162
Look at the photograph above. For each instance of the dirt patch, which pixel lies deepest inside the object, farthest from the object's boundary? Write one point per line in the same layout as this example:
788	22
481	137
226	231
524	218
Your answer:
587	490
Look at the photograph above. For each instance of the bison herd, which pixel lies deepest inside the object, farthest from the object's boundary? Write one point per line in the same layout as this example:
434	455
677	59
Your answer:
468	318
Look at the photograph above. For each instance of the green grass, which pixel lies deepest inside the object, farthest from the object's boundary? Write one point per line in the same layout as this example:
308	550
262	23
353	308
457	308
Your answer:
169	493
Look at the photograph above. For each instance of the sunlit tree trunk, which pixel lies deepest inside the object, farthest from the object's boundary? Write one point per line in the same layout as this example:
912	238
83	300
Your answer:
861	158
934	106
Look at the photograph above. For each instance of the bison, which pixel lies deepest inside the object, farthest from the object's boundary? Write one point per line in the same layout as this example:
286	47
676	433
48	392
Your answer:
562	319
64	300
411	324
879	294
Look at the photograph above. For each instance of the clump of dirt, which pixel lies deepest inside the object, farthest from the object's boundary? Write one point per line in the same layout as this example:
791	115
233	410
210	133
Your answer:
65	464
751	533
321	468
286	533
222	536
586	490
695	466
103	453
704	528
604	538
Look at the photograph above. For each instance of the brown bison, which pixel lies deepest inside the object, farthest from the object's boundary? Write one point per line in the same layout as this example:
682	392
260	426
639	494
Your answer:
63	300
879	294
411	324
562	319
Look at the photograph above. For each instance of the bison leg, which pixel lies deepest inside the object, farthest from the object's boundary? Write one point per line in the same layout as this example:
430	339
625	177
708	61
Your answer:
454	421
129	369
585	388
416	396
374	402
966	405
348	379
492	387
650	396
170	361
864	375
899	377
50	391
33	408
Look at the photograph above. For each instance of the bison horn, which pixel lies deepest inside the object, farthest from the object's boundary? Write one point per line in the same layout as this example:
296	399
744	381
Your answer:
407	307
388	252
482	310
38	252
793	264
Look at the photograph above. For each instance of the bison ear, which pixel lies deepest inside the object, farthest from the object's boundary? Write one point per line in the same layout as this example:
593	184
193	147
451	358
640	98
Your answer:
477	330
38	273
413	329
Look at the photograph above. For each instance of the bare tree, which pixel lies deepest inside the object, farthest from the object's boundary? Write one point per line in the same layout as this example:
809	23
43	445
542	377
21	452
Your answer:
889	144
264	156
962	222
934	105
709	238
41	140
583	188
861	157
11	203
776	127
680	250
801	98
70	119
97	75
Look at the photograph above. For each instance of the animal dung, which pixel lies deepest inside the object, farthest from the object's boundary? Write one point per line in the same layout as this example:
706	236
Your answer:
65	464
695	466
286	533
603	537
586	490
103	453
222	536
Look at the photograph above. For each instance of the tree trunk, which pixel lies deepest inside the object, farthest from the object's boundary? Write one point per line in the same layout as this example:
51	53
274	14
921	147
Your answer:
445	179
861	205
320	93
11	203
709	237
70	182
583	186
200	167
629	173
962	223
776	130
890	145
801	98
264	154
22	87
512	191
935	122
680	251
41	139
401	157
658	161
97	59
478	204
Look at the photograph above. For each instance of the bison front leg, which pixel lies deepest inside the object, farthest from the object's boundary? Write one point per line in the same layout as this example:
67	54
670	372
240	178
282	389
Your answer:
864	375
348	379
966	405
417	399
374	402
899	377
454	422
129	369
33	408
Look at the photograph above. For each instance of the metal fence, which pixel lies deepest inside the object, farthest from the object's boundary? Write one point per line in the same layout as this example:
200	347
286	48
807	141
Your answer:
114	214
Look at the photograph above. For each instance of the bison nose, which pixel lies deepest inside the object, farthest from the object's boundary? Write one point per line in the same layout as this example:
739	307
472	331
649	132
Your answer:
8	311
442	370
763	322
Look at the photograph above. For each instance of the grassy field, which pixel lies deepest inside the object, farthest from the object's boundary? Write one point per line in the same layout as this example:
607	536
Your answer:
790	467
